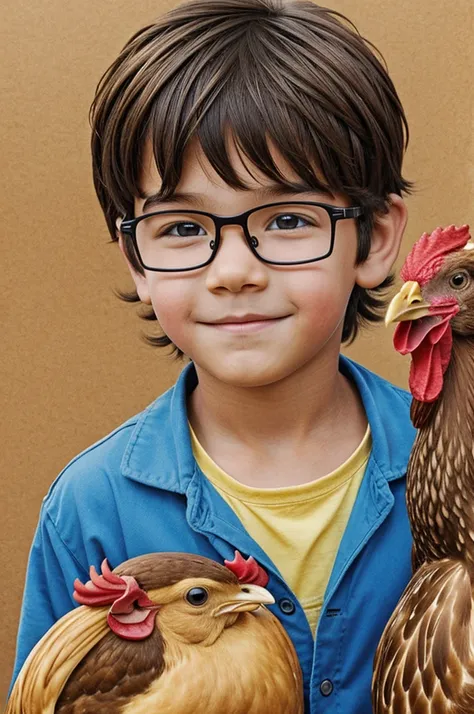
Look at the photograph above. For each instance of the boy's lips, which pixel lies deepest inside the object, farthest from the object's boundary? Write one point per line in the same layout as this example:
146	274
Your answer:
245	323
250	317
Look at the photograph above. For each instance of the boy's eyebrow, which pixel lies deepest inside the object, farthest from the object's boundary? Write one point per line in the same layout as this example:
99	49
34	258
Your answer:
267	192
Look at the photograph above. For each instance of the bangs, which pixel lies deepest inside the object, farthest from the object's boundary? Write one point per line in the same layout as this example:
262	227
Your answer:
254	124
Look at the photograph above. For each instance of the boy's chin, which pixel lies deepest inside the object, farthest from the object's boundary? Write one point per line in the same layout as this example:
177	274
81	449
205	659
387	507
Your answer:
247	375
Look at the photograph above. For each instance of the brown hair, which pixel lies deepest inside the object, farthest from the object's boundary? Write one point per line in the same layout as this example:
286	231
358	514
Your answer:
292	71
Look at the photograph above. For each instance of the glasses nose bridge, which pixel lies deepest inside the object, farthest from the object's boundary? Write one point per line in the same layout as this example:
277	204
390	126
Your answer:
238	220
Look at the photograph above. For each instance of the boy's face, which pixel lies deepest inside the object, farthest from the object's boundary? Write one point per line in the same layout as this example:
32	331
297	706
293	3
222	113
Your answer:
304	304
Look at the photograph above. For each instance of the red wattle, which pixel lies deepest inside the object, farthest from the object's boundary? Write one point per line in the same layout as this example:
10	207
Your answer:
130	630
429	363
409	335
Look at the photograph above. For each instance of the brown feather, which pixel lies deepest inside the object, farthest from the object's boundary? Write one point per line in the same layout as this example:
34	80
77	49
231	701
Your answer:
421	413
114	671
421	633
154	572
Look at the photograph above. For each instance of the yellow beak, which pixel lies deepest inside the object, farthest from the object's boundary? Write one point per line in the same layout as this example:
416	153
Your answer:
251	597
408	304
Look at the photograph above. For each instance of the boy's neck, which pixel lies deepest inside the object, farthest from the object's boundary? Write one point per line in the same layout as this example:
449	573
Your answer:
314	418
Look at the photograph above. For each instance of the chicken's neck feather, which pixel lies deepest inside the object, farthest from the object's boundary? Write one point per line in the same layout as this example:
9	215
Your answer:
440	476
422	412
251	668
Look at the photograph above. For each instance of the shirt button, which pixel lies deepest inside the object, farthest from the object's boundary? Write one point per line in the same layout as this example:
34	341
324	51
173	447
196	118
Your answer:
287	606
326	687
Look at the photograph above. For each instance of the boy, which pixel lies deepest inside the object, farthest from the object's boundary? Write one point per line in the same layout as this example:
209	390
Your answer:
247	156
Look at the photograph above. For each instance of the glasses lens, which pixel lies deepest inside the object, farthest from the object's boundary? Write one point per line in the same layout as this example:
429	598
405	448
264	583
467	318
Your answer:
175	241
291	232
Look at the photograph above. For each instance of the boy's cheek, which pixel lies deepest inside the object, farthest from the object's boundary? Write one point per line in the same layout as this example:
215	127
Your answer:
323	296
322	309
173	304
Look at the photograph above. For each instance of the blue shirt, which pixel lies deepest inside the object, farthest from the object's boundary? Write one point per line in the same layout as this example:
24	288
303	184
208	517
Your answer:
139	490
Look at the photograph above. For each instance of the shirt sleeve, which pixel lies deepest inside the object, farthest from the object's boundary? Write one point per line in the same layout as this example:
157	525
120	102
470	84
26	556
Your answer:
51	571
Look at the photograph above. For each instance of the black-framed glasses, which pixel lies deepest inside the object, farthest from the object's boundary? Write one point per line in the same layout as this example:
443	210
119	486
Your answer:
283	233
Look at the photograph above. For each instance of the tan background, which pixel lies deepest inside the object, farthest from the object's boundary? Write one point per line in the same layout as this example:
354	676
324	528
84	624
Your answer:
73	367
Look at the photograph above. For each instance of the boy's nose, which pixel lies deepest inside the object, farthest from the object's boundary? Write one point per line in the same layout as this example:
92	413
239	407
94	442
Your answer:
235	266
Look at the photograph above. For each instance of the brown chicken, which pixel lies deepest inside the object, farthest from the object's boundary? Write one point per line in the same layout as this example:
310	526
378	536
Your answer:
165	633
425	660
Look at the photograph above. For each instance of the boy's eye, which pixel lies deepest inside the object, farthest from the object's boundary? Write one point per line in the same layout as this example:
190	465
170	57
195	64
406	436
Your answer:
287	221
184	230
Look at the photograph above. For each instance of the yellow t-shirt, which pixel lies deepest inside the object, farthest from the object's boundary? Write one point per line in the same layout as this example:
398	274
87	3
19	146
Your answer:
299	527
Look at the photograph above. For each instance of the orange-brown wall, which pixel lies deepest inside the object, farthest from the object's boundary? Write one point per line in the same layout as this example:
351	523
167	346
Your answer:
73	367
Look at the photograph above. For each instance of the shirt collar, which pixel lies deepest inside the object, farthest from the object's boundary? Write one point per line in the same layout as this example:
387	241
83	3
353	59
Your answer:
388	414
159	451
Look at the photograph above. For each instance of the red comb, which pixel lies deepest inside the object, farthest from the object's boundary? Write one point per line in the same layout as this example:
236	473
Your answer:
109	588
429	252
247	571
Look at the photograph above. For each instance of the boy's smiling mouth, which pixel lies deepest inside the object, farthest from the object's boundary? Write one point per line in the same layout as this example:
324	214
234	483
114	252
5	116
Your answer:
245	323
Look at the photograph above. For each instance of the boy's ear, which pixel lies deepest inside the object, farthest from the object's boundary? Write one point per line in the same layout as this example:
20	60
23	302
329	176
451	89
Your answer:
139	280
385	244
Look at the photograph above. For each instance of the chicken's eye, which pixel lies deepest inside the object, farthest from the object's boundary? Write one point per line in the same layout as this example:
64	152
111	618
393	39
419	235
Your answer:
459	280
197	596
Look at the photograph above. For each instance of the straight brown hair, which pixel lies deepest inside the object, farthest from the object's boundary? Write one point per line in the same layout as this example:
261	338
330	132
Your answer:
291	71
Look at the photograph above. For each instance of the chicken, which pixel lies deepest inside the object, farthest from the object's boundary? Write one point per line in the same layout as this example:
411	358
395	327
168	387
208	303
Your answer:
424	663
165	633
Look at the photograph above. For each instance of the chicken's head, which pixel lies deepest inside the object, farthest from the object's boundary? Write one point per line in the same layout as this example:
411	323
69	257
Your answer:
194	598
436	300
197	610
